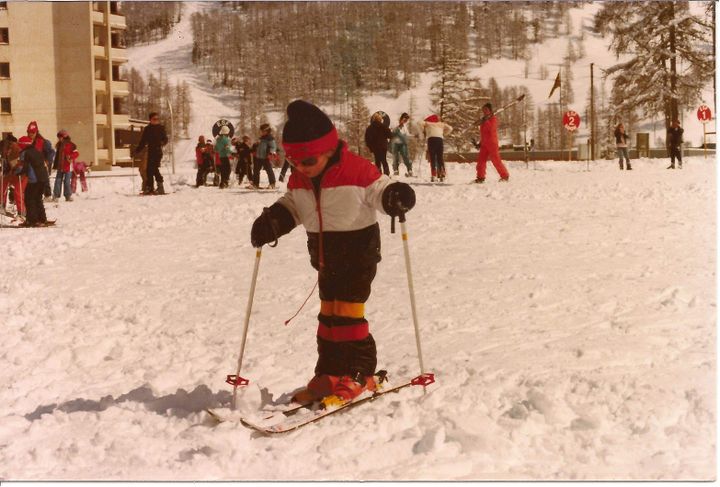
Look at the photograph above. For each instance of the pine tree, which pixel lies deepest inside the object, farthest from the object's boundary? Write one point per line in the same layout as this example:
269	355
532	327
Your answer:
670	55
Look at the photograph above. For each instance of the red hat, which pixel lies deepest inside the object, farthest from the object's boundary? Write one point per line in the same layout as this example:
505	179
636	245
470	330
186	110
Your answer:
308	131
24	142
432	118
32	127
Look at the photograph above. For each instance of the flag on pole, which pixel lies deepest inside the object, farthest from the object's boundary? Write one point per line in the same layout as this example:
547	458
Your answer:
556	85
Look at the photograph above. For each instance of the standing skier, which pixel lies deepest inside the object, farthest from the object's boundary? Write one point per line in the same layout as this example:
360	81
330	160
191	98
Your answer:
621	145
35	169
376	139
244	159
45	148
400	146
489	147
154	137
674	143
265	149
435	131
65	155
223	148
335	194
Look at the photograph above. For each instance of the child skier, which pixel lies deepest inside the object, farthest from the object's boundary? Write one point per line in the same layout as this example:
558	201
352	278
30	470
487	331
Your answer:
335	194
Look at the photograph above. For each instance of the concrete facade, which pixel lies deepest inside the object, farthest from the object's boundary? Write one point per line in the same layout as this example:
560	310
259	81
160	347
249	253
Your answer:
65	63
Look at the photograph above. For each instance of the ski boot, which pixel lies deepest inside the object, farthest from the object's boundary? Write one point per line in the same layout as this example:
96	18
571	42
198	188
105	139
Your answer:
348	388
479	180
504	180
318	387
160	188
628	166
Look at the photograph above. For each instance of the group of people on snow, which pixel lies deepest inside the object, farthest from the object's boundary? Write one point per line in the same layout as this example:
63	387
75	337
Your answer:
250	158
27	164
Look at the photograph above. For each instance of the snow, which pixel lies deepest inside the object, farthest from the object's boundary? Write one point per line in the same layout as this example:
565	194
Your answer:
569	316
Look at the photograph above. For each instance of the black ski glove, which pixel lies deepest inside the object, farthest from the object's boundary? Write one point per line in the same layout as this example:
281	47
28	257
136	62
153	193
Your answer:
398	198
273	223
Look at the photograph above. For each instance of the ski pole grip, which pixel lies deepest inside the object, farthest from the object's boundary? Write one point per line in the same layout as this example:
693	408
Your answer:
236	380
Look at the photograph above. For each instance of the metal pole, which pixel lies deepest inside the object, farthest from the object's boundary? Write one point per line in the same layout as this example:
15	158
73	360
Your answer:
592	113
406	250
172	137
258	254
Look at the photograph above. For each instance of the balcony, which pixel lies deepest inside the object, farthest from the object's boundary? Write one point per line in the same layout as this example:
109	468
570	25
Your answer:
98	17
99	51
118	22
99	85
117	54
120	87
101	118
121	119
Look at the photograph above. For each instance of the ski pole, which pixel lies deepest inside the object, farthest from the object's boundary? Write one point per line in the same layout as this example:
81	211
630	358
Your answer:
406	250
236	380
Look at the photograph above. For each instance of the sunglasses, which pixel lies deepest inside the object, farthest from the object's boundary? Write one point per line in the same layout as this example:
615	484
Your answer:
308	162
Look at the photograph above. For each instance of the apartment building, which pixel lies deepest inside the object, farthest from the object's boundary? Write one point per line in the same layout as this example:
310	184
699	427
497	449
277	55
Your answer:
61	64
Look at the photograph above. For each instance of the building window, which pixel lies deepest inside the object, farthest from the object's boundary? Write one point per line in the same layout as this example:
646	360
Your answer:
100	69
117	39
4	35
119	72
5	135
4	70
115	8
5	105
99	34
119	106
3	6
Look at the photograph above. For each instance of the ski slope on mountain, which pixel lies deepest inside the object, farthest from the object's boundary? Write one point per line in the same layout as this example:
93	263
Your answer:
569	316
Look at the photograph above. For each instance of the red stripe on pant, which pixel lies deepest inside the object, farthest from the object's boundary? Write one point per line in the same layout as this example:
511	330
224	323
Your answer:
343	333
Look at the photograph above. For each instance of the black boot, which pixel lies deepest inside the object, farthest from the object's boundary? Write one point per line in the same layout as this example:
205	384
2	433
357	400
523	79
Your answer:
671	166
621	166
160	189
629	167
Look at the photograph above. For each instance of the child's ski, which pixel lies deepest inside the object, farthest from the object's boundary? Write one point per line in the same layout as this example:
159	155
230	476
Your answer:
305	414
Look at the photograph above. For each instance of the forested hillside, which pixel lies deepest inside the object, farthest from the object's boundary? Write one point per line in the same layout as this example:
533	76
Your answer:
338	53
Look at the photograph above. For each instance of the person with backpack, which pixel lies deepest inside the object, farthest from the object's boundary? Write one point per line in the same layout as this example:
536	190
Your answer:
376	139
335	194
265	150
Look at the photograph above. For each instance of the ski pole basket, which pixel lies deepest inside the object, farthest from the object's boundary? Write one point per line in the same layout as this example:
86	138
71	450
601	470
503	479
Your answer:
236	380
423	379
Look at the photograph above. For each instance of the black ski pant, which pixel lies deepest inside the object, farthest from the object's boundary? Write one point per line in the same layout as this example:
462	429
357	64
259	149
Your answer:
34	207
264	164
201	174
344	343
243	169
153	171
675	152
435	150
224	172
381	160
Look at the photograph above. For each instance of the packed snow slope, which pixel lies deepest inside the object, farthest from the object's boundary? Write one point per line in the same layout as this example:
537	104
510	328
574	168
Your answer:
569	316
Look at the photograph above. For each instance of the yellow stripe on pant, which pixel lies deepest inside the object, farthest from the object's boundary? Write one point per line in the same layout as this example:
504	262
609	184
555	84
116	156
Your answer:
342	308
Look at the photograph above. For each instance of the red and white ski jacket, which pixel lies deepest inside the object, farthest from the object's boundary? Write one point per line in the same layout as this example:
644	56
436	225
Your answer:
350	195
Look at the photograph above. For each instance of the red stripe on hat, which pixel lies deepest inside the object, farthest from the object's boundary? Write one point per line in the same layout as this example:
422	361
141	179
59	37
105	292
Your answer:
348	333
298	151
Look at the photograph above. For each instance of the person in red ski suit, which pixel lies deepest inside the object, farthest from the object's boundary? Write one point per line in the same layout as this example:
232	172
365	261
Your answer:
489	147
335	194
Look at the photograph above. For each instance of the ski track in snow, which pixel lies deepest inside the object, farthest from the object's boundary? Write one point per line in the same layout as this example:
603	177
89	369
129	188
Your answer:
569	317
